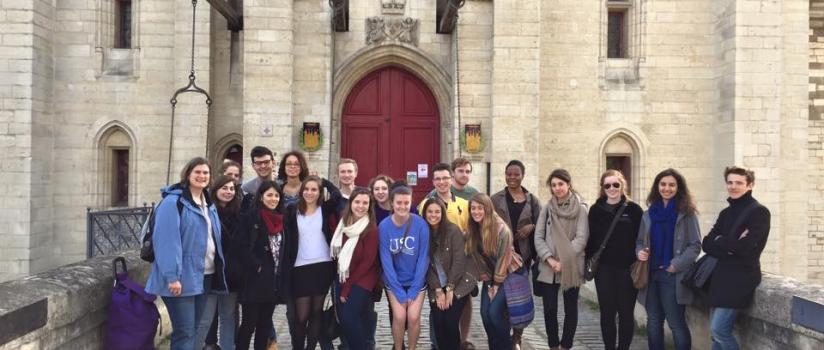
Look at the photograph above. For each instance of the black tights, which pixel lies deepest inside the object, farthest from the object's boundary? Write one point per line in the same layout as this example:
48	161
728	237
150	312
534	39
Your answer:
308	312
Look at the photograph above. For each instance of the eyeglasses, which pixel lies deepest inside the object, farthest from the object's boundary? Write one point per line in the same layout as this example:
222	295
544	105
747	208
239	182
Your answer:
262	162
439	179
614	185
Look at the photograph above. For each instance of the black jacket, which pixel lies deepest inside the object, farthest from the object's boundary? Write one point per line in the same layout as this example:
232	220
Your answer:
738	272
263	286
232	242
620	250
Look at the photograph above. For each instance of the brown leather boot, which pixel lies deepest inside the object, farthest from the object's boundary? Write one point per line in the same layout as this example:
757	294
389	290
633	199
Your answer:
273	345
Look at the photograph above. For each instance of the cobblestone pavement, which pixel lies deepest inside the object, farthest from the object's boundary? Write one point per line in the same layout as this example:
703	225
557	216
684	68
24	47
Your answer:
587	336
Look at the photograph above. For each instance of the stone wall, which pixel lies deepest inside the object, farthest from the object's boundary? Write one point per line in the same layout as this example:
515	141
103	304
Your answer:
766	325
16	71
816	142
76	301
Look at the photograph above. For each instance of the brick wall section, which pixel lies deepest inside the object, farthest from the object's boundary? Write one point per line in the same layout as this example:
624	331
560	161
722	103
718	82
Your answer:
16	65
816	142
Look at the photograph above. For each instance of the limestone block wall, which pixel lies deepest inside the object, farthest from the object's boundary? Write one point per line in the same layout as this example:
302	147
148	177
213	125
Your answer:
473	83
226	67
516	83
16	66
816	142
766	119
312	76
667	107
60	101
268	74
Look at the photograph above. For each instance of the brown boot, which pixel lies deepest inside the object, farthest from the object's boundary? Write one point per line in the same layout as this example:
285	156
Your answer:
273	345
516	338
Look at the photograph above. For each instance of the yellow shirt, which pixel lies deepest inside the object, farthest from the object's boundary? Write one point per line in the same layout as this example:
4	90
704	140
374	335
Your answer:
457	211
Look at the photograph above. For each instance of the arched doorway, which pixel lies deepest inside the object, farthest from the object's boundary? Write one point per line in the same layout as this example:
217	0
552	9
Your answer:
390	124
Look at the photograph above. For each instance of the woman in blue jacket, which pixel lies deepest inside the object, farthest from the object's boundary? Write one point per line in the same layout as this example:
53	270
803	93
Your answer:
188	255
404	253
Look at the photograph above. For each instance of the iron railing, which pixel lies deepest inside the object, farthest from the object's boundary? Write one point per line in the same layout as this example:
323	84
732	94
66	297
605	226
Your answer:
115	230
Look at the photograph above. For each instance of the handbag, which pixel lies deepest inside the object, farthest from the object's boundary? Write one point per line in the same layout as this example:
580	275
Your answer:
640	269
698	275
519	303
591	265
329	323
132	316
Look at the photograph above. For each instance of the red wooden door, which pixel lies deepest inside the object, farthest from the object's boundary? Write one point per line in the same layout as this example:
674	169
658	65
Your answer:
389	125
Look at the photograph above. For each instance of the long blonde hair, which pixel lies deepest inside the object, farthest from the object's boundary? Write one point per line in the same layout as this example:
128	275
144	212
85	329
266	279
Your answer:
486	232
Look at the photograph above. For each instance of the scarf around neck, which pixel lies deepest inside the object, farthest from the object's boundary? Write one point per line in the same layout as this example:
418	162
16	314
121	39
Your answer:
564	221
273	221
662	232
344	251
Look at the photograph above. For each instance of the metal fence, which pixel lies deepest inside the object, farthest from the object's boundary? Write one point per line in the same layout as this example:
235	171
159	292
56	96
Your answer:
114	230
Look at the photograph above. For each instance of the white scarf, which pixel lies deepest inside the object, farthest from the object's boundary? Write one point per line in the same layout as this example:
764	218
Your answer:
343	252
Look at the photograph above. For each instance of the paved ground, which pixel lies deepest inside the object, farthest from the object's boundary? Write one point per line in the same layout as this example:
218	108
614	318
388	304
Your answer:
588	335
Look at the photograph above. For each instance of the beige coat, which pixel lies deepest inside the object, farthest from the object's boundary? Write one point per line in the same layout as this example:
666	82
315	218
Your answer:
545	247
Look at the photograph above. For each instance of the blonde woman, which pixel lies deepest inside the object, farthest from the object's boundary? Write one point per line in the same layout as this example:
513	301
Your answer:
489	243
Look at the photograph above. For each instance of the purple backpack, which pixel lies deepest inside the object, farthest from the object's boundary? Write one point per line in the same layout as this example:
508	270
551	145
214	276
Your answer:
133	317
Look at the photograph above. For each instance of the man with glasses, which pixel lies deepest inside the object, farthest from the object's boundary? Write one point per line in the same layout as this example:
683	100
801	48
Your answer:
263	161
457	208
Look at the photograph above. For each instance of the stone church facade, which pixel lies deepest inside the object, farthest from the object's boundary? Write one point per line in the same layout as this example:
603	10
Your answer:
641	85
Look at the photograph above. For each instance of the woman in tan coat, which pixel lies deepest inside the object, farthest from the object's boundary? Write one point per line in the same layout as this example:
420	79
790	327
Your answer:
560	238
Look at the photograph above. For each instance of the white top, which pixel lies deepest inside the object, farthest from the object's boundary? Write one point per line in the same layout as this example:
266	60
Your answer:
312	245
209	265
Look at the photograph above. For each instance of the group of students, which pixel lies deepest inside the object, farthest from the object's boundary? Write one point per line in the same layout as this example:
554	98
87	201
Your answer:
293	238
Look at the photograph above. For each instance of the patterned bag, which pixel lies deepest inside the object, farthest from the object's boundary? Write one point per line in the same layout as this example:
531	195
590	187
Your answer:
519	303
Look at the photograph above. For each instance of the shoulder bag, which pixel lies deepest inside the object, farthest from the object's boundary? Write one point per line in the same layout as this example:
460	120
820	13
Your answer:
592	263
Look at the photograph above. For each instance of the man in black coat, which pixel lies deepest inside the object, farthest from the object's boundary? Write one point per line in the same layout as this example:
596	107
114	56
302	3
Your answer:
736	240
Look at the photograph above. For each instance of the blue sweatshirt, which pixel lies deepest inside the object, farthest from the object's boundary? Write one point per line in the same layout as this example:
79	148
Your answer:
404	263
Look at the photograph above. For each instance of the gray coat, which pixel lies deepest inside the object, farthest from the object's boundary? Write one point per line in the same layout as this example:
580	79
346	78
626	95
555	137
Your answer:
545	247
685	249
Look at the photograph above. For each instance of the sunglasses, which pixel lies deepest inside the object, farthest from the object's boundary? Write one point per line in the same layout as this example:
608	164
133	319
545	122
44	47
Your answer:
614	185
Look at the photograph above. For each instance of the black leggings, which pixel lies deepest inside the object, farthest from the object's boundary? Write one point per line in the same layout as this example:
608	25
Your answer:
308	313
616	295
256	319
549	295
445	323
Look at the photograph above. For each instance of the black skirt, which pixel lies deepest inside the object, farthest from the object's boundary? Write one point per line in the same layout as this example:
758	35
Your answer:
313	279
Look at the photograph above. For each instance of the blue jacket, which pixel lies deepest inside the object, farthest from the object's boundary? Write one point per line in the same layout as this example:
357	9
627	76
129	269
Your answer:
179	242
404	263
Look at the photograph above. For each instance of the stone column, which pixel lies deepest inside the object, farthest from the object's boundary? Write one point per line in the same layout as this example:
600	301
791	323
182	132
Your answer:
26	69
515	87
762	123
268	68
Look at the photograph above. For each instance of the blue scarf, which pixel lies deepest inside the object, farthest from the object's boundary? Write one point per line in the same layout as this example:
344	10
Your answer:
662	232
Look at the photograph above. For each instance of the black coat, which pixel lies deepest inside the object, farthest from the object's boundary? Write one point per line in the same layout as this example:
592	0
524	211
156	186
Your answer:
232	241
738	272
263	286
620	250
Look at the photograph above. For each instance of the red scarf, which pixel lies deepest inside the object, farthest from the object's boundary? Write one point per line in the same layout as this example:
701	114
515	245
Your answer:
273	220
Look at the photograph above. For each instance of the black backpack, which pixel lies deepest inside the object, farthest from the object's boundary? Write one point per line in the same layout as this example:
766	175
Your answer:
147	231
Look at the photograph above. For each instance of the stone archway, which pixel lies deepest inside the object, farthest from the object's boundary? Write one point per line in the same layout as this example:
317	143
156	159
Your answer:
410	58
